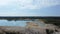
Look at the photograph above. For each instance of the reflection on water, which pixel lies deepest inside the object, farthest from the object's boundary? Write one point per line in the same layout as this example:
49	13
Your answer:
13	23
19	23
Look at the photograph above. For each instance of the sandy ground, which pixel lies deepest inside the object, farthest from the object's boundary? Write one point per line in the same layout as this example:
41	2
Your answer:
17	30
21	30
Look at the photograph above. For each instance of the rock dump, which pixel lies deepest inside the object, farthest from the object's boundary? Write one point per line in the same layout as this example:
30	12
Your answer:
31	28
26	31
22	30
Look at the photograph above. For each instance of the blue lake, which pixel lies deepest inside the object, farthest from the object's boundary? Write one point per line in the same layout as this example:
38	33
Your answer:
12	23
17	23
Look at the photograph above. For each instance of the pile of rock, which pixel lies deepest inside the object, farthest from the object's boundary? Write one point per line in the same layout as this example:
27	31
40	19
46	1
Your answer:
26	31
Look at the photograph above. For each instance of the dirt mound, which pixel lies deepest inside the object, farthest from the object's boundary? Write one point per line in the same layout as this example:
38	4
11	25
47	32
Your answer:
18	30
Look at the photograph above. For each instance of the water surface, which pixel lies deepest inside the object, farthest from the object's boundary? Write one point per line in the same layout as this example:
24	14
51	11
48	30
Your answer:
18	23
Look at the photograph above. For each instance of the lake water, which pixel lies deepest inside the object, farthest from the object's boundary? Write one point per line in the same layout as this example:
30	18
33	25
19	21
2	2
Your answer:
17	23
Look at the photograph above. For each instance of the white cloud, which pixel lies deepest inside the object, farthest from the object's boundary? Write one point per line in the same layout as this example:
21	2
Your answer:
6	2
17	7
25	4
36	4
30	4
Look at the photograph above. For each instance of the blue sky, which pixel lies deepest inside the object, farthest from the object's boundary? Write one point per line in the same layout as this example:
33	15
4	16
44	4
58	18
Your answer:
29	7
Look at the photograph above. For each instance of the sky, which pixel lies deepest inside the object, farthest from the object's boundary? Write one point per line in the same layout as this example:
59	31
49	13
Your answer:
29	7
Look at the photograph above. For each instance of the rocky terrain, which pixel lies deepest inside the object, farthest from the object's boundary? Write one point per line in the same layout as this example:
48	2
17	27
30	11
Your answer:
23	30
17	30
30	28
